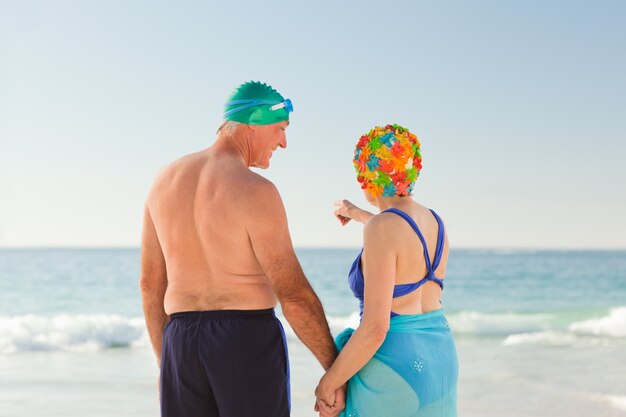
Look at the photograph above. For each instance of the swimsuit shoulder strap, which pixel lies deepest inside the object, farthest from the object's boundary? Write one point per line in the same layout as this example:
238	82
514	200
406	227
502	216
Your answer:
441	237
412	223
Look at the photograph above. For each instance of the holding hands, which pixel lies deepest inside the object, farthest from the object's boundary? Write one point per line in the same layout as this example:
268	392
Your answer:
330	401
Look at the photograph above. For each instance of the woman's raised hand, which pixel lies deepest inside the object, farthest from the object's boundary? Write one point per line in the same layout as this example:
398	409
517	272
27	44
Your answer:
344	210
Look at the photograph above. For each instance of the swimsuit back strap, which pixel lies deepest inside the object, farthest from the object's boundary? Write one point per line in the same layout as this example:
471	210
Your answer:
441	237
412	223
404	289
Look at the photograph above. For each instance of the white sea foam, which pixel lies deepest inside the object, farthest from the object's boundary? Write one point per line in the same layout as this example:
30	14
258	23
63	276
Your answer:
66	332
337	324
99	331
471	323
616	401
523	328
590	331
549	337
497	324
613	325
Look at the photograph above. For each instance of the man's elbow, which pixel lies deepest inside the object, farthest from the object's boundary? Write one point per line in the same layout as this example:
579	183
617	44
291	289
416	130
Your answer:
300	295
294	306
302	304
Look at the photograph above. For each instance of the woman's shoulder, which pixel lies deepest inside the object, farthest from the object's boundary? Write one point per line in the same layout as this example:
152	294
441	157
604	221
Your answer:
390	222
382	220
383	225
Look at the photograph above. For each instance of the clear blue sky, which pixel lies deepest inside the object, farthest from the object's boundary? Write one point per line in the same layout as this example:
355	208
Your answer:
520	108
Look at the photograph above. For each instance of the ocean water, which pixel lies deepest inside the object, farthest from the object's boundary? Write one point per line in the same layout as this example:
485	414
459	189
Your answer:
539	333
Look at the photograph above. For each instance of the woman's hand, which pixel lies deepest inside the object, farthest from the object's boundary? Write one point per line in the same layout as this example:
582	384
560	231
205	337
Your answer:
338	407
330	400
324	393
345	211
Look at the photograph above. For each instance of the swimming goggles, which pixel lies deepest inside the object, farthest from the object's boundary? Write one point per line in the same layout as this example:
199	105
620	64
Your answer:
286	104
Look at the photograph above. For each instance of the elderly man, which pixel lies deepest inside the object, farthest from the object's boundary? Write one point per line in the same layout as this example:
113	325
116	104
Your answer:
216	258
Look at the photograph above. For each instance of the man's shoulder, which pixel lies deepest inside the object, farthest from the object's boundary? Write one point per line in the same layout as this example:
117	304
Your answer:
258	181
165	173
168	169
256	187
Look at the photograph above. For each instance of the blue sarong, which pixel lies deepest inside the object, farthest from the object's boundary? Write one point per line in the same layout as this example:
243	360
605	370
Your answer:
413	374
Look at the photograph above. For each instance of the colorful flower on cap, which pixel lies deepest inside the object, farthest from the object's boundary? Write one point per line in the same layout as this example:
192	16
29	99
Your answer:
388	161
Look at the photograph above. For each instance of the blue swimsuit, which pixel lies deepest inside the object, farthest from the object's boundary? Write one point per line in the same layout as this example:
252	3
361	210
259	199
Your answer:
414	373
355	277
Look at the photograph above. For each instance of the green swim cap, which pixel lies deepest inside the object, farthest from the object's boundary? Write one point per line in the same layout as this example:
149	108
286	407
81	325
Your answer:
255	103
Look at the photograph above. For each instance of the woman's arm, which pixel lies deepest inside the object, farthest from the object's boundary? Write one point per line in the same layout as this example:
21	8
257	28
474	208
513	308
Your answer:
347	211
379	270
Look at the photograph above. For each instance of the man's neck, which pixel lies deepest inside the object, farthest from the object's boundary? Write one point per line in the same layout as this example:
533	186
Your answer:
234	144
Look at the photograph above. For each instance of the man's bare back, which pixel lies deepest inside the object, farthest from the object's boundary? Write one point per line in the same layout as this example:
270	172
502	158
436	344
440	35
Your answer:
216	258
200	211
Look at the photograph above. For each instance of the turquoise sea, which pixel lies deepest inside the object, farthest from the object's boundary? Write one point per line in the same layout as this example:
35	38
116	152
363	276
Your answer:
539	333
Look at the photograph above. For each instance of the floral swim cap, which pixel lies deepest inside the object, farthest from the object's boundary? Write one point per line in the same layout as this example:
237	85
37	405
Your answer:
388	161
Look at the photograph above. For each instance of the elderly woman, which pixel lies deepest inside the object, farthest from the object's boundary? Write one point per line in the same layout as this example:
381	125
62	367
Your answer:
401	360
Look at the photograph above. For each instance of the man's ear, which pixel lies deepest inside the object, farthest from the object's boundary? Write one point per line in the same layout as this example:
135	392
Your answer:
251	129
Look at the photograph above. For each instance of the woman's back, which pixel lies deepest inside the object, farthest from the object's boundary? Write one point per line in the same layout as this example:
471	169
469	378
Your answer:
418	275
411	265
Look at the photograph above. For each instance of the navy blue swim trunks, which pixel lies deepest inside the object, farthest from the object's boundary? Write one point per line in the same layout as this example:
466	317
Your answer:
224	363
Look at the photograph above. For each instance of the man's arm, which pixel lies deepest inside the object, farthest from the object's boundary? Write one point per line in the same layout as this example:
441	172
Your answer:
153	283
271	242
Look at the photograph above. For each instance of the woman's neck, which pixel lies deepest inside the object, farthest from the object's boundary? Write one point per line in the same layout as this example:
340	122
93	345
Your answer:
401	203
